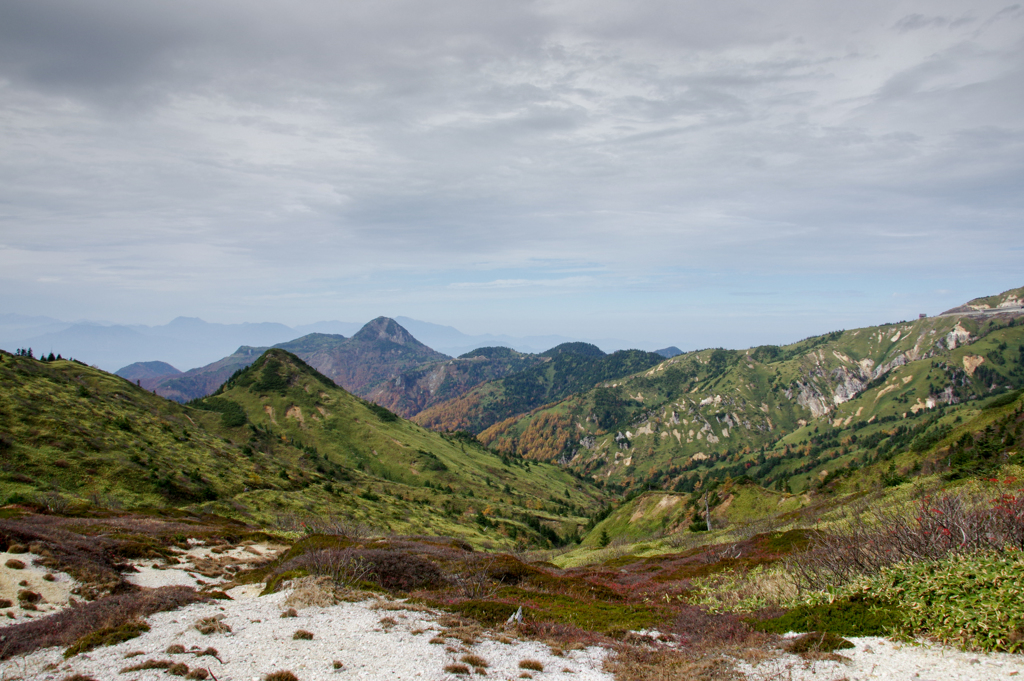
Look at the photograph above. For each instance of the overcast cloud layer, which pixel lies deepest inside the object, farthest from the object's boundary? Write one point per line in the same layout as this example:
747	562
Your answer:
691	173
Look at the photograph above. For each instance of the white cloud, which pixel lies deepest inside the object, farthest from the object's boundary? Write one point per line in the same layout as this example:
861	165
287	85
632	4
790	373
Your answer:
347	154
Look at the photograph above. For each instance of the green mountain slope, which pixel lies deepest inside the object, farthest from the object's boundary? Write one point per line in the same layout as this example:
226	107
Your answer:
278	442
569	368
412	391
786	416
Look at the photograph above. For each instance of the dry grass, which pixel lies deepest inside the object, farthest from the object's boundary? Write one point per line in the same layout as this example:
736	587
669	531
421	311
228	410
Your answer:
474	660
290	612
386	623
148	664
532	665
317	591
212	625
456	668
632	663
932	528
302	635
175	649
281	675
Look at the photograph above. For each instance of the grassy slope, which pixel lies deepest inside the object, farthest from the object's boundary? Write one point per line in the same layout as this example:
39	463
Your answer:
73	434
711	412
567	372
657	522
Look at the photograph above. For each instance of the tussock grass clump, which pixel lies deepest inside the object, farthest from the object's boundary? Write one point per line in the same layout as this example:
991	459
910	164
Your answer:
532	665
198	673
634	663
281	675
290	612
386	623
178	669
148	664
474	660
15	564
6	603
78	677
456	668
175	649
302	635
212	625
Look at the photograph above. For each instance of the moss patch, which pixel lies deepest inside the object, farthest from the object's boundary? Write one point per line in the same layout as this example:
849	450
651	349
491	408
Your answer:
107	637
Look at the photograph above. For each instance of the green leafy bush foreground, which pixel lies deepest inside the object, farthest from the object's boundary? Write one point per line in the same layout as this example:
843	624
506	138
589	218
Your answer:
972	601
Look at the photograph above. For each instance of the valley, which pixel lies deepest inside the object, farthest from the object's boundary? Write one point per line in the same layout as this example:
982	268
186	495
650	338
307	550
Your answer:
665	514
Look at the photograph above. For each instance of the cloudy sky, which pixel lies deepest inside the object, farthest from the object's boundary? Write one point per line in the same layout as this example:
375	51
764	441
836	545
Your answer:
689	173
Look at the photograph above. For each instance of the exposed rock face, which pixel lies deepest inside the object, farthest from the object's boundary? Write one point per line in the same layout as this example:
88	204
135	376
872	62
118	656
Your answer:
847	387
972	362
959	335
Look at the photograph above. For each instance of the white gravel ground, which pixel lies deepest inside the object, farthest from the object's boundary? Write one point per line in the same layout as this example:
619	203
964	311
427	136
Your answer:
261	642
879	658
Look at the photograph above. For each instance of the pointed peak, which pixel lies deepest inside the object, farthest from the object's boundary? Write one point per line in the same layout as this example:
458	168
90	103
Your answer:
385	328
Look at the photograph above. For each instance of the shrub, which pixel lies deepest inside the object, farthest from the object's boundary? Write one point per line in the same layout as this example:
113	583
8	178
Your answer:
971	601
953	524
391	569
856	615
6	603
71	625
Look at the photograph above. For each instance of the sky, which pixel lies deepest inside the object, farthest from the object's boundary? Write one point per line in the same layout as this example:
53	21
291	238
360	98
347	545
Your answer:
672	173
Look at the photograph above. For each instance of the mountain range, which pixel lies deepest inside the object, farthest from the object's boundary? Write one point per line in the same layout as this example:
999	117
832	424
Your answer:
192	342
936	399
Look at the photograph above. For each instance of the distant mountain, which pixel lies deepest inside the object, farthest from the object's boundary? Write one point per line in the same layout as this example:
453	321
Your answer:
377	352
567	368
147	374
450	340
412	391
670	351
183	342
205	380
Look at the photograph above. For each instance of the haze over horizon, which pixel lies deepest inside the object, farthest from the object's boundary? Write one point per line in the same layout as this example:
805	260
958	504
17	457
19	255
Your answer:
669	174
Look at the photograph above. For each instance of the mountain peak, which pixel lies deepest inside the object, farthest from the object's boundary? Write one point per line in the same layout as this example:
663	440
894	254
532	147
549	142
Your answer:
387	329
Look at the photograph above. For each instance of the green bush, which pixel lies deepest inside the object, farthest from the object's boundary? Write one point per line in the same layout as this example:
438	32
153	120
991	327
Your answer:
972	601
854	615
